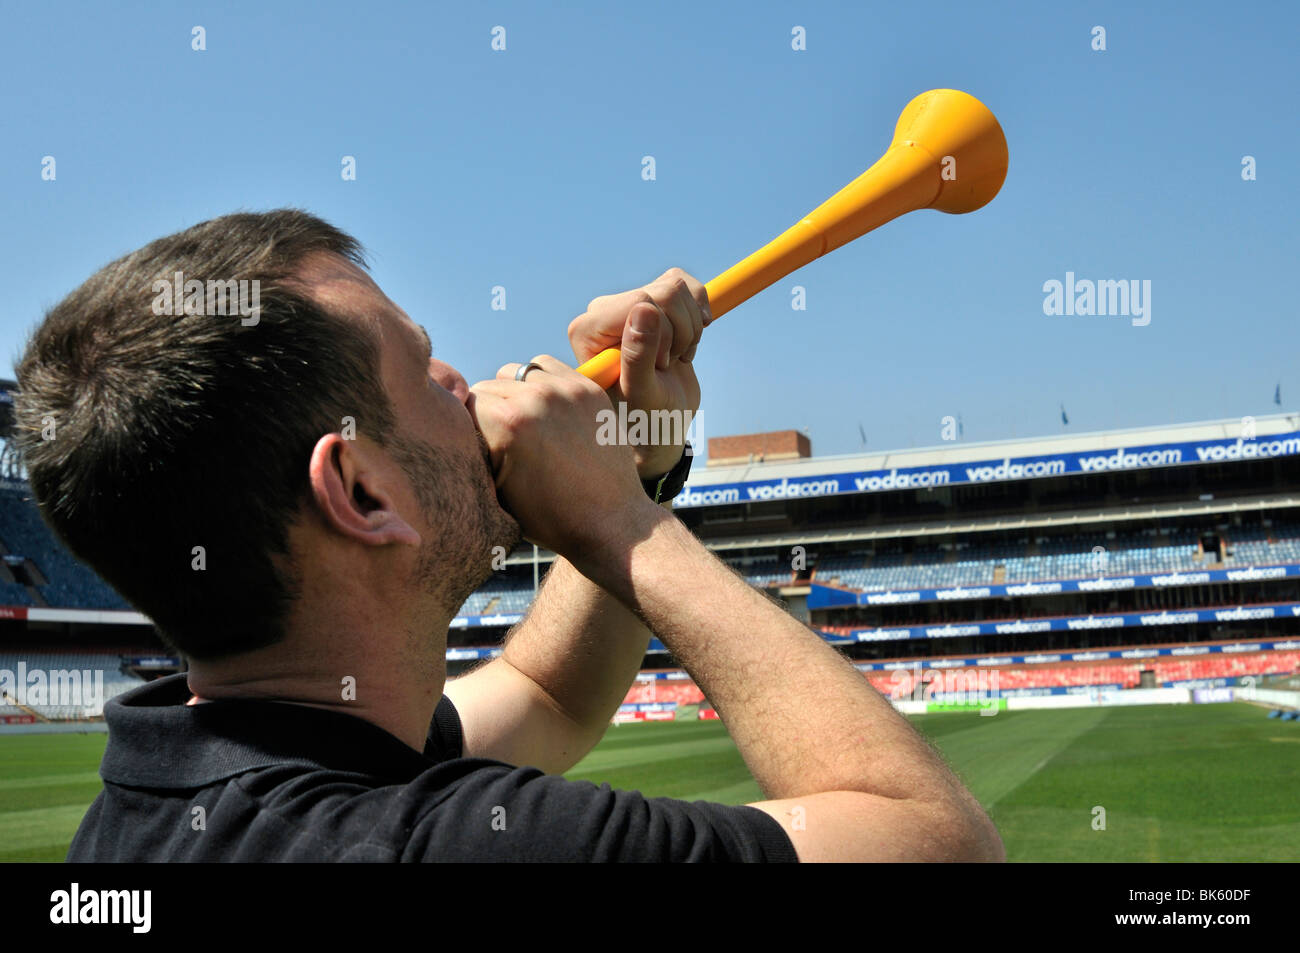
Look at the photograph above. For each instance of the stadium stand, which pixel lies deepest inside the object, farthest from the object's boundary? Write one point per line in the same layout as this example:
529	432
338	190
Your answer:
1061	558
1261	545
1003	532
680	692
96	678
71	584
68	582
500	594
1073	557
13	594
772	571
903	682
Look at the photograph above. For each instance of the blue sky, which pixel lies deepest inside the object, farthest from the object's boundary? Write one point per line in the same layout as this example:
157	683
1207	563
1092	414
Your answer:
522	168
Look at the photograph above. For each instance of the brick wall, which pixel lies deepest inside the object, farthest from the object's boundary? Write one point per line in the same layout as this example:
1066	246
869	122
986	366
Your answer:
776	445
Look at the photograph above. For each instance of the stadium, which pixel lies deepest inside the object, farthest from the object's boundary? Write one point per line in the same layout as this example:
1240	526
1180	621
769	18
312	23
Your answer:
1100	632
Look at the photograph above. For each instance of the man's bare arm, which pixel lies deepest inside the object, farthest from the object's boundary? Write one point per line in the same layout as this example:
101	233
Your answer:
565	669
848	777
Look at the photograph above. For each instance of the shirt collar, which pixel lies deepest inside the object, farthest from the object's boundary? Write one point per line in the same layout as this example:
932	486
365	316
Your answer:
156	740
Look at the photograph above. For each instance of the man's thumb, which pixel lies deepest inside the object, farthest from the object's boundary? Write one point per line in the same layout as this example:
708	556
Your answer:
640	347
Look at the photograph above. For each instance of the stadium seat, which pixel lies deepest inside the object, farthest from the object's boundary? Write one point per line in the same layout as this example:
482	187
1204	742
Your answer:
71	583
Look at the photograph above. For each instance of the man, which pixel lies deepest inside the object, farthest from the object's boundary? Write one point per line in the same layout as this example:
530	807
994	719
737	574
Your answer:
301	501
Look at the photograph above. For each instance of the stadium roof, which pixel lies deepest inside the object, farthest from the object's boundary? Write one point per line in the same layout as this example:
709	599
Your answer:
948	454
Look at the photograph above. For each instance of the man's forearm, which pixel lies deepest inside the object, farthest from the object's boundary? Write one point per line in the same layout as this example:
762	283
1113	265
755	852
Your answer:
563	672
580	645
805	720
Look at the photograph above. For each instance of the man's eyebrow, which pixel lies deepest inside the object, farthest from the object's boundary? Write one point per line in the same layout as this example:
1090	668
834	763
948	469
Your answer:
428	342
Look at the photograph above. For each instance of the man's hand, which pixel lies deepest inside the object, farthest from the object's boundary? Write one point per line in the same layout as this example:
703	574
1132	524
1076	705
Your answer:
657	327
567	666
569	492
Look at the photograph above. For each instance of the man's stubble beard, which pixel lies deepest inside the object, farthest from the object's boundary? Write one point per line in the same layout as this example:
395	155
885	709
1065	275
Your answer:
458	499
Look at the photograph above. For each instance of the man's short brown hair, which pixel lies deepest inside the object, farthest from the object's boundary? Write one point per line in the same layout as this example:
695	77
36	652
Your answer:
172	432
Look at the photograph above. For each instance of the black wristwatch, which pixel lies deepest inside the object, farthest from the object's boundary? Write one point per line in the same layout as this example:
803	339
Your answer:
667	487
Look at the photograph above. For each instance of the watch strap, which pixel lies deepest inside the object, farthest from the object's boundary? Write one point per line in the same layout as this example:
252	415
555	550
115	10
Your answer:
666	487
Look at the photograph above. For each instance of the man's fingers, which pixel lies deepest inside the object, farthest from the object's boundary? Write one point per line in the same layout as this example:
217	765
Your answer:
681	299
554	366
507	372
602	324
642	344
700	294
667	339
686	312
698	291
546	364
674	293
496	388
680	310
483	406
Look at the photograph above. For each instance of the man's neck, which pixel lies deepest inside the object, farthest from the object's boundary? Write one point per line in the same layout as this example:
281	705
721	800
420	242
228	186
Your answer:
391	678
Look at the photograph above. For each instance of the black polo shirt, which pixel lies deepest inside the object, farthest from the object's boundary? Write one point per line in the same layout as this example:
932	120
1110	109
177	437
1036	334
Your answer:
271	781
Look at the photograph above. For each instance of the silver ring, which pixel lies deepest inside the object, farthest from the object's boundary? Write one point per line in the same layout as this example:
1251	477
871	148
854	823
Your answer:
523	371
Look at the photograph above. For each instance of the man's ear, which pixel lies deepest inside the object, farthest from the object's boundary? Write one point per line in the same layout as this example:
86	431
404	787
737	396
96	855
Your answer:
351	496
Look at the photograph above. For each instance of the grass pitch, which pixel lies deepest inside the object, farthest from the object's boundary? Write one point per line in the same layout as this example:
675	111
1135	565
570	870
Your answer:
1177	782
46	784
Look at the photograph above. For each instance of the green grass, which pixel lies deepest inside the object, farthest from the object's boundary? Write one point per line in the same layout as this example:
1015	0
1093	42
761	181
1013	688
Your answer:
46	784
1178	783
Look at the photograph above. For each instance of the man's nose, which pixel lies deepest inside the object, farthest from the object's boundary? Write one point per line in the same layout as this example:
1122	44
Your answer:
449	378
